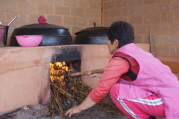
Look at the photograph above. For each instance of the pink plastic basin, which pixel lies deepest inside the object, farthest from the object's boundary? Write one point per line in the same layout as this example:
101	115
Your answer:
29	40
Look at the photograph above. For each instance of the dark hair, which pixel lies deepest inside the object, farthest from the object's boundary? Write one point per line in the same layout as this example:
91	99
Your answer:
121	31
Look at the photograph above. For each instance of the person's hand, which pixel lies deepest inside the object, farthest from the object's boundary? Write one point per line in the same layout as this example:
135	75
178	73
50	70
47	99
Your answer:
87	103
90	74
73	110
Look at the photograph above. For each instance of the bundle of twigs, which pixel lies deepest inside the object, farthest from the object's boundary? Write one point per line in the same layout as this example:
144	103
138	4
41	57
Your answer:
76	90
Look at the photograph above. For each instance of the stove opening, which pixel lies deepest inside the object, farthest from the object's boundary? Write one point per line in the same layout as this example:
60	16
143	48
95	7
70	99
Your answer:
64	88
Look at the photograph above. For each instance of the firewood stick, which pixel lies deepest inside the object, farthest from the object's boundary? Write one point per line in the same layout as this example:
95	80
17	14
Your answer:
80	73
84	72
63	91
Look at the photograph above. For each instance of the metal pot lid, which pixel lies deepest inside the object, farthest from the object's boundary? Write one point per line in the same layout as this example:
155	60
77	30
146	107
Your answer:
92	29
41	26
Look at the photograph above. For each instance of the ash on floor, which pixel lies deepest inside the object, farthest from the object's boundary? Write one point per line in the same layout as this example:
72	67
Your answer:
27	112
42	112
96	113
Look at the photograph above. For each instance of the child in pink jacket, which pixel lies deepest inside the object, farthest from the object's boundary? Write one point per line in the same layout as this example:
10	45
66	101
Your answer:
140	85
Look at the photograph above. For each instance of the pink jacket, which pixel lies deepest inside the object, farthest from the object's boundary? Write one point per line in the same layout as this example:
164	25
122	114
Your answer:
154	78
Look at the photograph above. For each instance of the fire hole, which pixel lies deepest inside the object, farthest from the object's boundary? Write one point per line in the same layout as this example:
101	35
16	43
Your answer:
58	81
58	70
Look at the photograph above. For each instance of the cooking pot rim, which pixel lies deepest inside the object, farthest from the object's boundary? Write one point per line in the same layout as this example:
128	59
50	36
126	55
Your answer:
41	26
91	29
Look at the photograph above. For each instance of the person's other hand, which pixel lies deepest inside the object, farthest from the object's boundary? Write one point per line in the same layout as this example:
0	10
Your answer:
88	73
92	75
73	110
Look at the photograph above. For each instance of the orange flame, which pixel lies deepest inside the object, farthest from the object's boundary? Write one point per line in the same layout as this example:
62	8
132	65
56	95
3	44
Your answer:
57	68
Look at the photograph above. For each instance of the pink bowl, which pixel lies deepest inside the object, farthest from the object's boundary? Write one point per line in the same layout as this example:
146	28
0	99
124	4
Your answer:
29	40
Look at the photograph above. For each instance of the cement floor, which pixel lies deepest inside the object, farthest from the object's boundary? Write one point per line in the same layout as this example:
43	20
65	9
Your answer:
42	112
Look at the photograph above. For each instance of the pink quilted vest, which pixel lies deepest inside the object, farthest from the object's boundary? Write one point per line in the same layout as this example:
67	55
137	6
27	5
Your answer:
154	78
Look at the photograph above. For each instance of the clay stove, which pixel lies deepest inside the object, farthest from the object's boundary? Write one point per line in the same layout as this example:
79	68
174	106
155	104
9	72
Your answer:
24	72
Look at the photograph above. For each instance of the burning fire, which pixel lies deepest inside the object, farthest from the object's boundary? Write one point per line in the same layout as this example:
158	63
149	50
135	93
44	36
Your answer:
57	68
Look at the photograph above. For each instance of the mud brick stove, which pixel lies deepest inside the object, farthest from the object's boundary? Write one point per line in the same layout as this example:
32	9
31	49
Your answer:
24	72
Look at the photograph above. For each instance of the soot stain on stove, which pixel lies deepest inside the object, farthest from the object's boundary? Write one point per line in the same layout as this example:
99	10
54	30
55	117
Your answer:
65	54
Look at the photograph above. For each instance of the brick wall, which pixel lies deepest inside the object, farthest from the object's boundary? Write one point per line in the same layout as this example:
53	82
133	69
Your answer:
157	17
72	14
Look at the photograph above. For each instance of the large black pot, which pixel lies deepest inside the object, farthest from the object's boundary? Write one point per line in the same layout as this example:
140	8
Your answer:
52	34
92	35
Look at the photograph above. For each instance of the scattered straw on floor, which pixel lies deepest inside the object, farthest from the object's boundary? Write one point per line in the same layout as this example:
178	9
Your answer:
69	91
72	93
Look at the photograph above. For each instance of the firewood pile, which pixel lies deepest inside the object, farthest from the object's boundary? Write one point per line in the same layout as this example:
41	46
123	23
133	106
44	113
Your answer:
69	90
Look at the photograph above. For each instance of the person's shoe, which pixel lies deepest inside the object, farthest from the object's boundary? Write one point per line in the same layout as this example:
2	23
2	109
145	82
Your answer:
151	117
